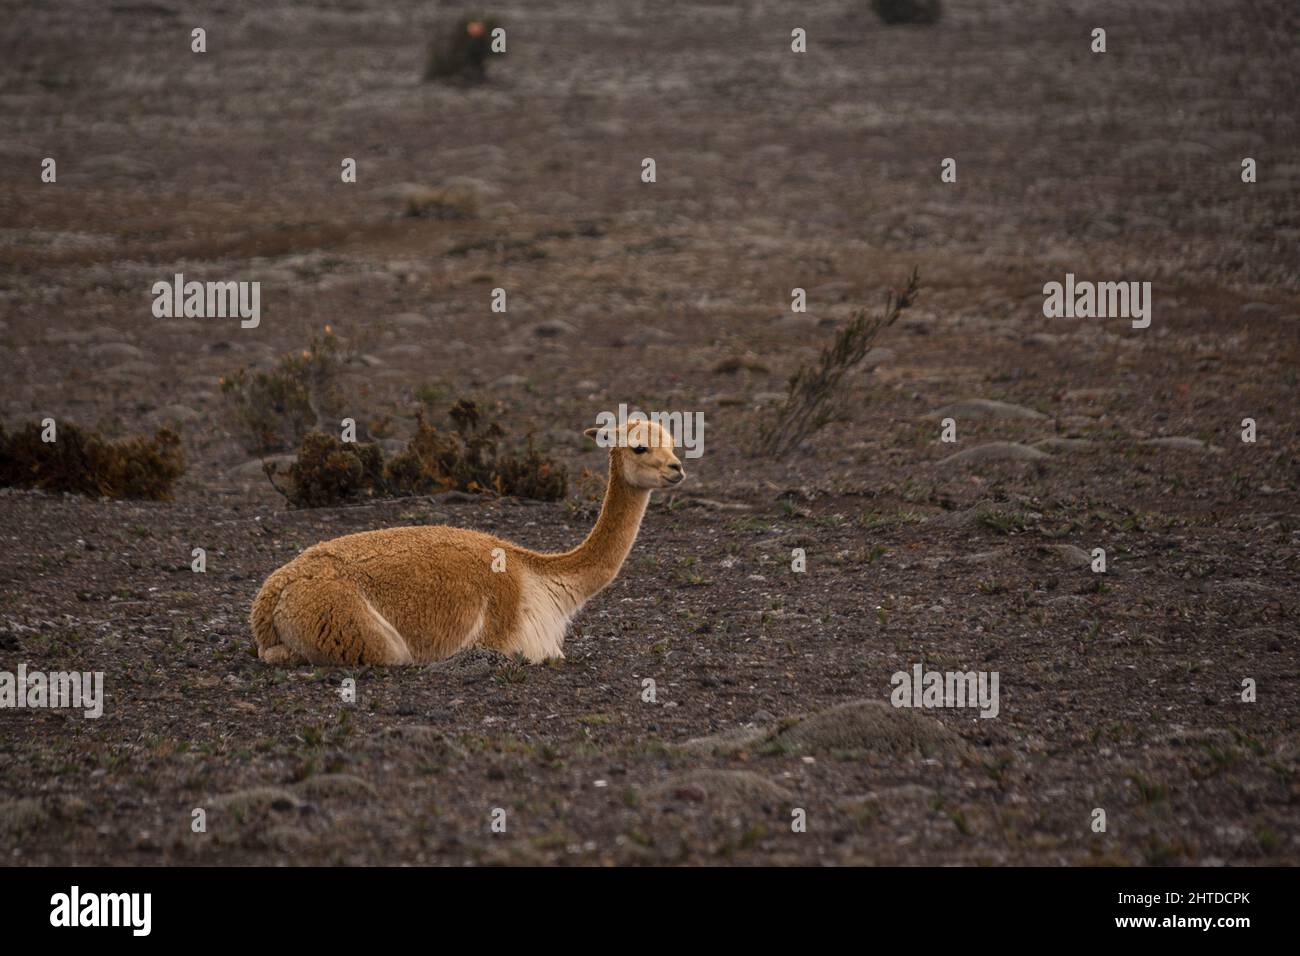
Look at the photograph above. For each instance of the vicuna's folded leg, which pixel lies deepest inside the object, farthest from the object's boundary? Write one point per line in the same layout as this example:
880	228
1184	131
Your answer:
331	622
280	654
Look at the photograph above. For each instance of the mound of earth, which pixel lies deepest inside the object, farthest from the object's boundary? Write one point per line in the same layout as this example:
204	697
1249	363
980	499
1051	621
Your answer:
857	726
720	786
473	662
872	726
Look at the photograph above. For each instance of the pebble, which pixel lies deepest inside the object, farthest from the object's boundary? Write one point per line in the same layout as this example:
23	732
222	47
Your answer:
1063	444
1184	443
995	451
116	351
551	328
985	408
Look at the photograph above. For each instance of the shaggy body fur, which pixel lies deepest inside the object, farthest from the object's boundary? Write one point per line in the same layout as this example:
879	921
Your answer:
413	595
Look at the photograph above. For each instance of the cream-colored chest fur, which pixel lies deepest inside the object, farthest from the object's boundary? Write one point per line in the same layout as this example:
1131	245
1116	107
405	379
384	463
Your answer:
545	609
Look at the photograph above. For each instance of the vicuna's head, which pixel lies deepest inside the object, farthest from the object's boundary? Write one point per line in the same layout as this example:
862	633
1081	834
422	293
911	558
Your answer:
641	453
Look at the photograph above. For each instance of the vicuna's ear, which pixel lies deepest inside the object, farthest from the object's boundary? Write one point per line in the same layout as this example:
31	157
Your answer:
602	436
592	432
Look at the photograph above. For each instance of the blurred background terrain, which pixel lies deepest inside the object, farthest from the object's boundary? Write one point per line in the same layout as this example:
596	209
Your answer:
775	170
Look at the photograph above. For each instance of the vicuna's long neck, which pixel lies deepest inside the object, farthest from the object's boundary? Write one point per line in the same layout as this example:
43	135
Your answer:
595	563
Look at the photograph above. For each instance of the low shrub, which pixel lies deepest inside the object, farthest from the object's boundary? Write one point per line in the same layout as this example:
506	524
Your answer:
82	462
469	456
444	202
274	409
329	471
907	11
816	392
459	50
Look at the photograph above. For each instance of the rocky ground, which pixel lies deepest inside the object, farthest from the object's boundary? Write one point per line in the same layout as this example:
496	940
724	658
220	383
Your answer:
1119	691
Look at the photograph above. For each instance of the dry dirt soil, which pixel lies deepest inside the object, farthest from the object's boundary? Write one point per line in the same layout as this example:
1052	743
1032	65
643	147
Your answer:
1119	691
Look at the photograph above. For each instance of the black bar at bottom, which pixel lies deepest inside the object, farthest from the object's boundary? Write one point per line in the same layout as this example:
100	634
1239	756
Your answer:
333	906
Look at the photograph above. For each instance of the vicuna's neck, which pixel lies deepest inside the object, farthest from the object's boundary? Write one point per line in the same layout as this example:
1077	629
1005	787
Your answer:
595	563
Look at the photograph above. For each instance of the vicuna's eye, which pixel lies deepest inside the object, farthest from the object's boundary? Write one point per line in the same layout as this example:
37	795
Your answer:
639	449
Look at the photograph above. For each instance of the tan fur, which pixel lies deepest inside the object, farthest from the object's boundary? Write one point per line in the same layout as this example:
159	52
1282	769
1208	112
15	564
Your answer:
413	595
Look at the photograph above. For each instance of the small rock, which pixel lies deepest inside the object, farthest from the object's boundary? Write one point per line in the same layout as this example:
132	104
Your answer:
1259	310
129	371
455	497
176	413
721	786
712	505
1042	338
1068	555
256	800
472	662
646	335
116	352
335	784
408	350
995	451
876	357
1063	444
481	188
253	469
727	742
1087	394
909	794
427	738
1184	443
551	328
983	557
985	408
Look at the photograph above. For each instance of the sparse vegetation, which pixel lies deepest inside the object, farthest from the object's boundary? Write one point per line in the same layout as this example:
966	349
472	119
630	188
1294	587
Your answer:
459	50
815	396
82	462
907	11
466	457
451	201
469	457
329	471
735	363
275	409
671	306
1150	791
